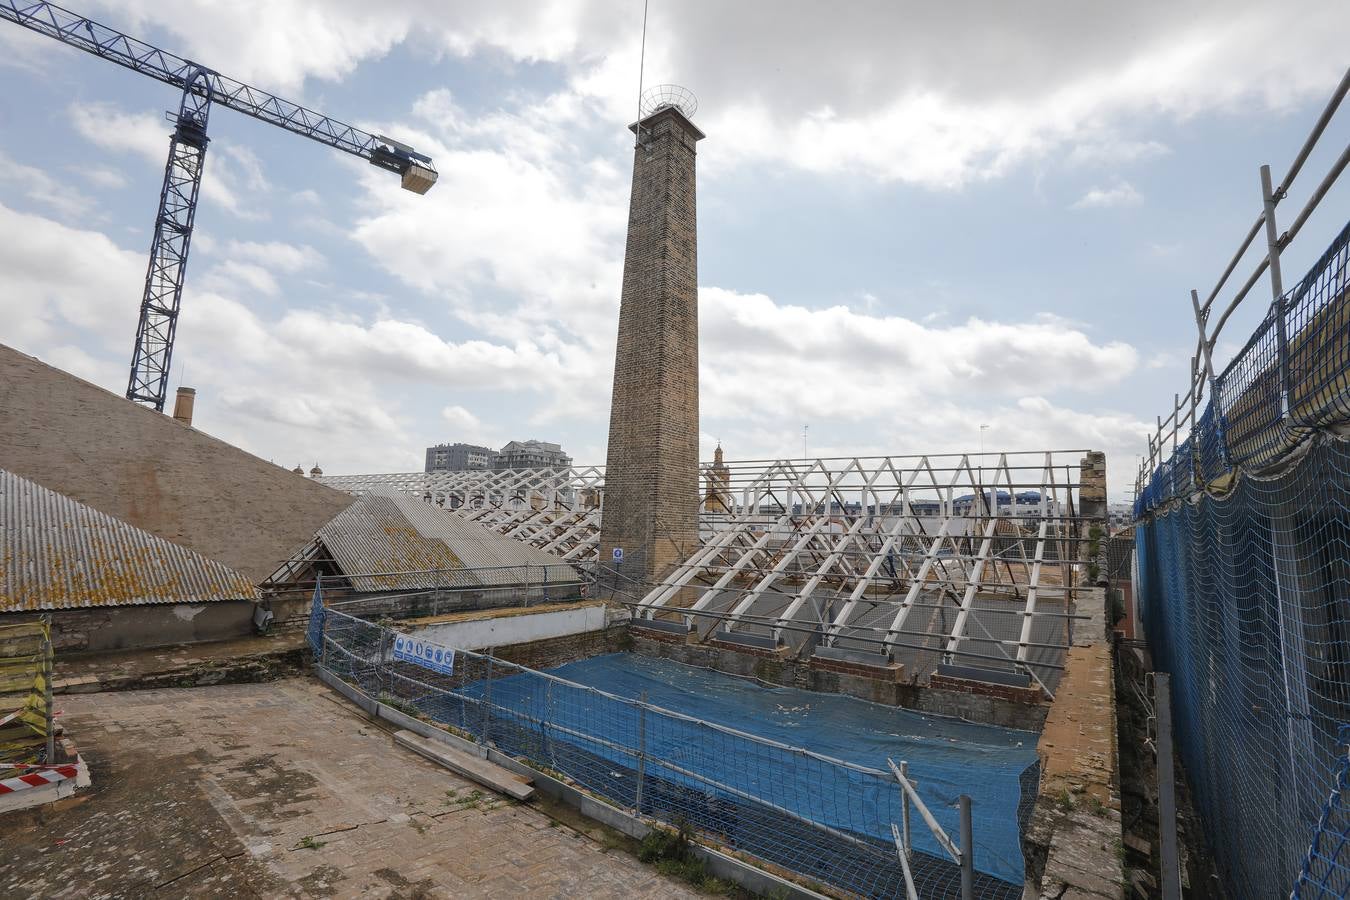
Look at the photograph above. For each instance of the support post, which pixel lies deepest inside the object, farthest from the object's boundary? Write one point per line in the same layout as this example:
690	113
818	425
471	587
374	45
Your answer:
967	851
1167	801
641	754
487	702
323	620
1276	288
48	665
1214	398
904	809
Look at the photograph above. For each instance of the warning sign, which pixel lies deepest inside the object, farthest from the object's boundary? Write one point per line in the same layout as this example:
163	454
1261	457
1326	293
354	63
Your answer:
424	653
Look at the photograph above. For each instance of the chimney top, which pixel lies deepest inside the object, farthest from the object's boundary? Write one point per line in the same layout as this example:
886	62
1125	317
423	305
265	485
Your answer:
298	470
183	403
315	471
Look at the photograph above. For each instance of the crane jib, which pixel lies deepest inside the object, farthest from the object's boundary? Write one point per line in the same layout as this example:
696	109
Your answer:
201	88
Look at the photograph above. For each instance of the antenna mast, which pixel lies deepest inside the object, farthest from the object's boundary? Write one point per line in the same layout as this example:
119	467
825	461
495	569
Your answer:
642	61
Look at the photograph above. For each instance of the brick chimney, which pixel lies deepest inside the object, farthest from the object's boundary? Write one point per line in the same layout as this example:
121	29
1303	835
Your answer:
651	476
182	404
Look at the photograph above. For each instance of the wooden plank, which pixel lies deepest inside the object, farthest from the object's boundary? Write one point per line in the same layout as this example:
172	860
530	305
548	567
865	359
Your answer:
472	767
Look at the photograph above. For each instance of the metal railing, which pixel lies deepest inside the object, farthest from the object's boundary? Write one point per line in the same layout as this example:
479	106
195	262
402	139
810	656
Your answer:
962	855
1187	416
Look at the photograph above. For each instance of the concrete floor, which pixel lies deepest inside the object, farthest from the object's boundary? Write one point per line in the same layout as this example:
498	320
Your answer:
275	790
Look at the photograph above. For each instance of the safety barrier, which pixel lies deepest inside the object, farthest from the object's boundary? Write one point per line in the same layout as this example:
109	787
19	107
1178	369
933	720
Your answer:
1243	557
825	819
26	733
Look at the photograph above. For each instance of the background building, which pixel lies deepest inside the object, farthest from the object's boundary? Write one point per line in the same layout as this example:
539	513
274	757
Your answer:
530	454
458	457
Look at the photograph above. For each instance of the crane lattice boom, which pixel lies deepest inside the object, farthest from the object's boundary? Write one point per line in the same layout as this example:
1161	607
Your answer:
201	87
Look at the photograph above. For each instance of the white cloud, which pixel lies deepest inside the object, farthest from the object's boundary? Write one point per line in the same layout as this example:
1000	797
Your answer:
275	255
103	177
1108	152
523	233
43	189
764	360
233	177
55	279
1120	194
463	426
925	94
327	385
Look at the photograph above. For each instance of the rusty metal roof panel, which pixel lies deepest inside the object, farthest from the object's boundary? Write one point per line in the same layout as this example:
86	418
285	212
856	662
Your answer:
58	553
421	546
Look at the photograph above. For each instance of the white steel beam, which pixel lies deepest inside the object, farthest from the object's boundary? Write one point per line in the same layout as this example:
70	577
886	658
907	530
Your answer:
972	588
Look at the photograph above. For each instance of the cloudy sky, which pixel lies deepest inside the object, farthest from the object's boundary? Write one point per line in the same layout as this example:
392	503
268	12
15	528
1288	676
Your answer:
915	218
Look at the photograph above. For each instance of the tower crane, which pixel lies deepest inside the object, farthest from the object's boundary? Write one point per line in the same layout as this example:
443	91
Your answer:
201	88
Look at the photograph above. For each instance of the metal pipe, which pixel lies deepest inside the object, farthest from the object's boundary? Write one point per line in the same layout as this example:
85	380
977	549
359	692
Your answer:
904	809
1317	195
641	754
933	826
1276	289
902	850
967	851
1167	803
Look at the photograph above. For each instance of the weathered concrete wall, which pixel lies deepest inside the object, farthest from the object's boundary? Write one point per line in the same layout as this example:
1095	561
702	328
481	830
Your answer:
151	625
835	678
513	626
1073	846
651	475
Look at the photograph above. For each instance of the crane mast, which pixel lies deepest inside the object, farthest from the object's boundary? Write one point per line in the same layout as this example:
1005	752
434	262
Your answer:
201	88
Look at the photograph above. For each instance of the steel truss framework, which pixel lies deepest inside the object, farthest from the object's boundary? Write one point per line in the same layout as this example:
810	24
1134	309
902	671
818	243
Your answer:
962	560
965	561
557	510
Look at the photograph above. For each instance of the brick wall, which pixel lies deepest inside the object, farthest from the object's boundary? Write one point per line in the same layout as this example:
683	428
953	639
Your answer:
878	684
651	476
550	652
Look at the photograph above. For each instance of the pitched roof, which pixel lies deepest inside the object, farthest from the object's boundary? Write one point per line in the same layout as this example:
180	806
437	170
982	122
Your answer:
417	545
58	553
152	472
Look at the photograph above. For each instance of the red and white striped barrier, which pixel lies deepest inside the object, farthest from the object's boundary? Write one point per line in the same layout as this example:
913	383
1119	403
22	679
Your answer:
37	779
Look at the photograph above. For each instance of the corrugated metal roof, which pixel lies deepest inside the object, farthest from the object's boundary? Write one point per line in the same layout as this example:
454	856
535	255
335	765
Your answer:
57	553
408	537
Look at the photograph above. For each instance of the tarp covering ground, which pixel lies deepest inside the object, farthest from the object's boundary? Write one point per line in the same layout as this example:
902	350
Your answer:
947	757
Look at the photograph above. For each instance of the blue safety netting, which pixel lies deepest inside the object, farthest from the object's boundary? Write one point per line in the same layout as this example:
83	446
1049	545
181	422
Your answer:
1243	558
948	757
689	756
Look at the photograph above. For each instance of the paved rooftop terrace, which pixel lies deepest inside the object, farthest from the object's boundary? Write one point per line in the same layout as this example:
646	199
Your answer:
278	790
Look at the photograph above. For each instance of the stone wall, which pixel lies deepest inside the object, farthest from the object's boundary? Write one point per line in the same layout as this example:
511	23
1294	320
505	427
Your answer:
651	475
874	683
149	625
1073	846
550	652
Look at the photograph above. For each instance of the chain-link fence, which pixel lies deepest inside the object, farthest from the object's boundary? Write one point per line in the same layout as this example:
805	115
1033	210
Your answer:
825	820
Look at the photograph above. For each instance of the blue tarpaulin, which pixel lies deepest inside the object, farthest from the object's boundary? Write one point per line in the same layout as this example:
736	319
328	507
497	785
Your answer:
947	757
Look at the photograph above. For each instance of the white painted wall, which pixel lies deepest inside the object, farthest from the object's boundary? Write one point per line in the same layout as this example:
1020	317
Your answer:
478	634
